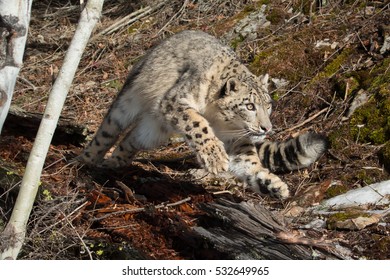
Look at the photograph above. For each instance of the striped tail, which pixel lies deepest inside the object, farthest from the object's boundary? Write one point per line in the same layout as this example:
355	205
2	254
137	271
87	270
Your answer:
292	154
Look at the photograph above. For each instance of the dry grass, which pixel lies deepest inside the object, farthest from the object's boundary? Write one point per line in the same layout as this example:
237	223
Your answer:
63	224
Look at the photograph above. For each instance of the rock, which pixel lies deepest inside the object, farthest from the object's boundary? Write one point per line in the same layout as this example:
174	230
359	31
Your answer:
375	195
279	83
356	222
316	224
360	99
326	43
248	27
386	43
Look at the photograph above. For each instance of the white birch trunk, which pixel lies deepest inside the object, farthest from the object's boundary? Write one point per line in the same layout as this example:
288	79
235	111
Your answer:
15	18
13	236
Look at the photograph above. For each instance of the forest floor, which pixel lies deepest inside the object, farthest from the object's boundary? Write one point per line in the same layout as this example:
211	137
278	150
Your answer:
324	57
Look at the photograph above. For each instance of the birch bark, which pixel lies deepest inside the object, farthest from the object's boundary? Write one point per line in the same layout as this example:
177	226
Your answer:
14	21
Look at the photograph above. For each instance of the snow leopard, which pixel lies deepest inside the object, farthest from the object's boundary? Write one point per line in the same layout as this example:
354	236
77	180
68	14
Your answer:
194	85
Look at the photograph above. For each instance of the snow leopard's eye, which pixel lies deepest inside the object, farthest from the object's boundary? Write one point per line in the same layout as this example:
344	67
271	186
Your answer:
250	106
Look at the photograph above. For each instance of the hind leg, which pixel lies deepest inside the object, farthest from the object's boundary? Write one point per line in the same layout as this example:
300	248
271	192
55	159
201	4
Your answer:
103	140
122	113
147	134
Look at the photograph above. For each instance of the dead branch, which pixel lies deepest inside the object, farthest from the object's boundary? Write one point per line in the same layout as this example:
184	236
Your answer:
307	120
129	19
142	209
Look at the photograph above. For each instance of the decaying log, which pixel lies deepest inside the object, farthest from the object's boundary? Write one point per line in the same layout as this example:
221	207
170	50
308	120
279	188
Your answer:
206	226
247	230
20	122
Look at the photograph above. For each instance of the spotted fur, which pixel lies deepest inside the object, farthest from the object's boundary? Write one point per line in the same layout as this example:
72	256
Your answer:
194	85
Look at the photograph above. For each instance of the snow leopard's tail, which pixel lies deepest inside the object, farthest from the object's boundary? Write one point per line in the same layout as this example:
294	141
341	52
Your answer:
292	154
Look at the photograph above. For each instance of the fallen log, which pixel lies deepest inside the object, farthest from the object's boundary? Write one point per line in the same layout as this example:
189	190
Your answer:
180	219
21	122
247	230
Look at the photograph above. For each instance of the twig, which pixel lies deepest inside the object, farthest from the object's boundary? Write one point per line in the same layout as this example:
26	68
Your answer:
128	192
142	209
125	21
129	19
66	217
174	203
79	237
221	192
307	120
21	78
290	90
174	16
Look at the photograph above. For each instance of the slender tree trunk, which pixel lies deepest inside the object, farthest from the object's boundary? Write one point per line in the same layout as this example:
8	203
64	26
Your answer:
14	234
14	21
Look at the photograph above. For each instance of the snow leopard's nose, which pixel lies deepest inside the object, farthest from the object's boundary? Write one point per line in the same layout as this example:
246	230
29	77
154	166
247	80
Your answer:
265	129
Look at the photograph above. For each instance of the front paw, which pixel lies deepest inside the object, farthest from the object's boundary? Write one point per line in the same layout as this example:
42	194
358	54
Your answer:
214	157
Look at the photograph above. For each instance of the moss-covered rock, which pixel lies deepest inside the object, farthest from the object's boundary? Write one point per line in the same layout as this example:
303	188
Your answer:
371	122
351	220
346	86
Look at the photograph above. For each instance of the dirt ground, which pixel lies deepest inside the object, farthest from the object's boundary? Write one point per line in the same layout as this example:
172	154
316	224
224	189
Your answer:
328	55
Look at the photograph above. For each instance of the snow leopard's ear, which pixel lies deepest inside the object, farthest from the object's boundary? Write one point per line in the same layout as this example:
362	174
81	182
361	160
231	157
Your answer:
230	87
264	79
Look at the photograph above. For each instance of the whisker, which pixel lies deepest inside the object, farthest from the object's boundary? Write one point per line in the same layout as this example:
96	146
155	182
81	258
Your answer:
246	134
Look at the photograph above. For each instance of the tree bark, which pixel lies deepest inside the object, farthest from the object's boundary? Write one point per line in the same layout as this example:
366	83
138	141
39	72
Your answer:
14	234
14	21
248	230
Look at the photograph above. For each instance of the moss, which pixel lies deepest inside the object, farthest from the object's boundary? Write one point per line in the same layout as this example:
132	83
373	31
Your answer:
343	216
275	96
368	124
381	76
113	251
346	86
254	7
368	176
336	64
371	122
334	137
336	190
339	217
286	59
